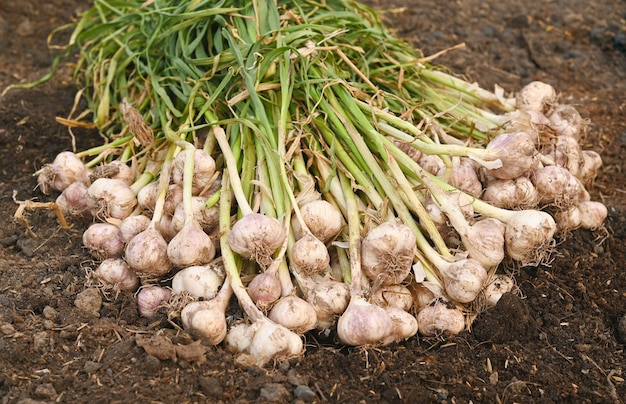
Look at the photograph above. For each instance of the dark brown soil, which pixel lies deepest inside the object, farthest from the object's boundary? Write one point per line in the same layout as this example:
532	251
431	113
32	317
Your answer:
558	341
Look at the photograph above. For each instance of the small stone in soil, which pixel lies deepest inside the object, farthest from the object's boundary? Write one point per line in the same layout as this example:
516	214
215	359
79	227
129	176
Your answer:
89	300
304	393
210	386
46	390
274	393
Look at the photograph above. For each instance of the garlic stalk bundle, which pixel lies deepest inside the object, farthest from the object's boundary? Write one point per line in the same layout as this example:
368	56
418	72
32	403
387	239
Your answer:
116	272
146	253
199	281
398	296
150	299
111	198
499	285
73	201
256	237
536	96
518	193
310	255
207	318
103	240
133	225
592	214
65	169
517	153
567	122
364	324
440	317
115	170
203	169
294	313
387	253
190	246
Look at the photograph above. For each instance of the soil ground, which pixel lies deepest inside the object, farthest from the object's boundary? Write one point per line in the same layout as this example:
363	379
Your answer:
557	342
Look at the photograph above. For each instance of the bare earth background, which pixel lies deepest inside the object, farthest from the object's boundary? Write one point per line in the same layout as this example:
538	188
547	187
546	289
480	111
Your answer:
559	341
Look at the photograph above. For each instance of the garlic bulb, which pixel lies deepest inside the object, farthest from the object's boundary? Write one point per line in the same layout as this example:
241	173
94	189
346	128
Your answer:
517	153
518	193
116	272
294	313
567	122
147	196
432	163
591	164
239	337
440	317
398	296
256	237
364	324
111	198
73	201
567	219
322	218
205	319
536	96
103	240
191	246
463	279
199	281
146	253
264	290
173	198
203	169
310	255
387	253
558	185
208	219
499	285
272	341
528	233
464	177
133	225
592	214
404	325
329	298
65	169
150	299
116	170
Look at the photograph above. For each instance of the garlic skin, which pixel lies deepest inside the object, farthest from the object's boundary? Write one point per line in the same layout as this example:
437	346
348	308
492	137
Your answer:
485	242
387	253
190	246
116	170
150	299
499	285
208	219
567	219
440	317
464	177
517	153
256	237
116	272
73	201
294	313
518	193
133	225
432	163
205	319
272	342
103	240
566	121
111	198
199	281
536	96
310	255
65	169
364	324
592	214
329	298
203	169
558	185
322	218
173	199
146	253
239	337
398	296
464	279
528	233
592	162
147	196
404	325
264	290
